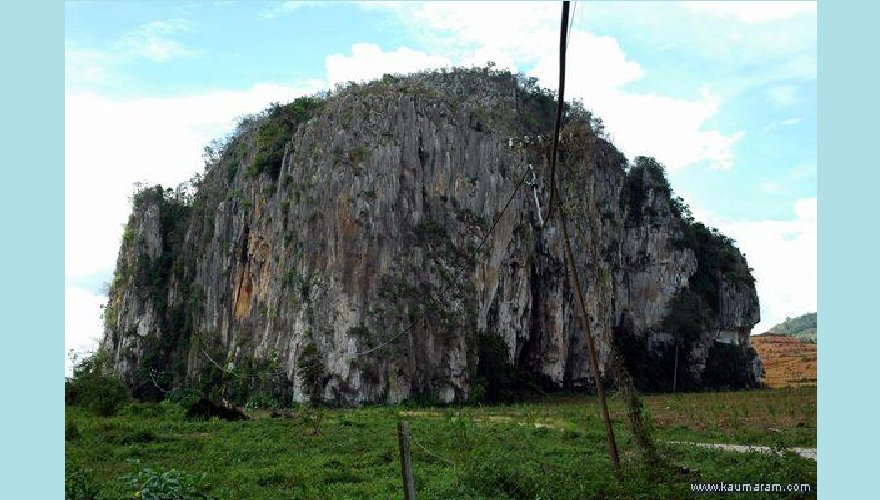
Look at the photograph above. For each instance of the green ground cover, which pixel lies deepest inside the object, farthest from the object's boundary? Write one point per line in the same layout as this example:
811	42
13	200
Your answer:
552	449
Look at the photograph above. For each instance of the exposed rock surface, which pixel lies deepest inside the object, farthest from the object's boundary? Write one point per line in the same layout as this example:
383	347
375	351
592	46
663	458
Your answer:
352	224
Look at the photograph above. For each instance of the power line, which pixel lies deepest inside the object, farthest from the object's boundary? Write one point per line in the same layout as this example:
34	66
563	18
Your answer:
563	37
472	258
454	280
569	255
421	310
571	23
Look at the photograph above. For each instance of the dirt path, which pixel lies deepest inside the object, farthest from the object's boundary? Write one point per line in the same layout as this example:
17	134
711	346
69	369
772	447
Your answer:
803	452
556	424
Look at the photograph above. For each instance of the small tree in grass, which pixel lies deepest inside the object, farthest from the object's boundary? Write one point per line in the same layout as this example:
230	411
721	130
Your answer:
310	368
311	371
94	386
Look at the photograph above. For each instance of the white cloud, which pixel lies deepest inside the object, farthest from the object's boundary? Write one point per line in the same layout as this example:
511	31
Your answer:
525	35
788	122
666	128
755	12
791	182
82	322
650	124
477	32
152	42
85	66
112	143
285	8
770	187
739	57
368	61
783	254
595	65
782	96
801	173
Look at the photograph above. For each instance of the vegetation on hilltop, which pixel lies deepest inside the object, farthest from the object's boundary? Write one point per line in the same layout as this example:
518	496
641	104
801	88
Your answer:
692	310
480	92
152	277
250	161
553	449
802	327
253	154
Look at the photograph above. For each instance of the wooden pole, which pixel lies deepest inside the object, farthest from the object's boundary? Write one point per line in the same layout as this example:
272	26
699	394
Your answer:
573	273
409	491
625	386
675	369
563	36
591	346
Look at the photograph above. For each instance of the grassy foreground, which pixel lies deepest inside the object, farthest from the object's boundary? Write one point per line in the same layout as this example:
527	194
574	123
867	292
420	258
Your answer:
554	449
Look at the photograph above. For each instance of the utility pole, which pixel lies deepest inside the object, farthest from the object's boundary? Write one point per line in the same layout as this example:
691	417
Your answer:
573	273
675	369
591	347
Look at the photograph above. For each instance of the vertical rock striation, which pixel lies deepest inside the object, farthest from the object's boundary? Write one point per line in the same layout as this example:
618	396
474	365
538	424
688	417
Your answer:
376	231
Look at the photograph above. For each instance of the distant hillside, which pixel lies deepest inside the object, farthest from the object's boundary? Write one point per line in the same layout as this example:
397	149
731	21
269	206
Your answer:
802	327
787	361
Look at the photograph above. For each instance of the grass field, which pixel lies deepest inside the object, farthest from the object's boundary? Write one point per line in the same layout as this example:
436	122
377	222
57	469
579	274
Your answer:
553	449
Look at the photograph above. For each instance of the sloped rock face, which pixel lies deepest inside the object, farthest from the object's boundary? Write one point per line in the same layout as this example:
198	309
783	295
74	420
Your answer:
383	227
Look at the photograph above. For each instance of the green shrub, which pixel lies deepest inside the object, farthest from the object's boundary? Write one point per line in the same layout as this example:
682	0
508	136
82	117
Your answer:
71	431
128	234
390	79
155	484
141	410
802	327
310	368
728	367
358	154
431	231
231	170
656	172
164	409
274	132
95	387
260	401
184	397
645	175
172	410
635	193
137	436
497	379
80	484
652	367
717	257
686	318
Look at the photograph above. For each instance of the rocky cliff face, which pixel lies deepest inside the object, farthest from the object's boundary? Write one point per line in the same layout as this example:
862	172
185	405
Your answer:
352	247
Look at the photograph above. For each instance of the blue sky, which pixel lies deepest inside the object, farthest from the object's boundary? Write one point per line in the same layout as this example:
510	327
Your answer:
723	93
